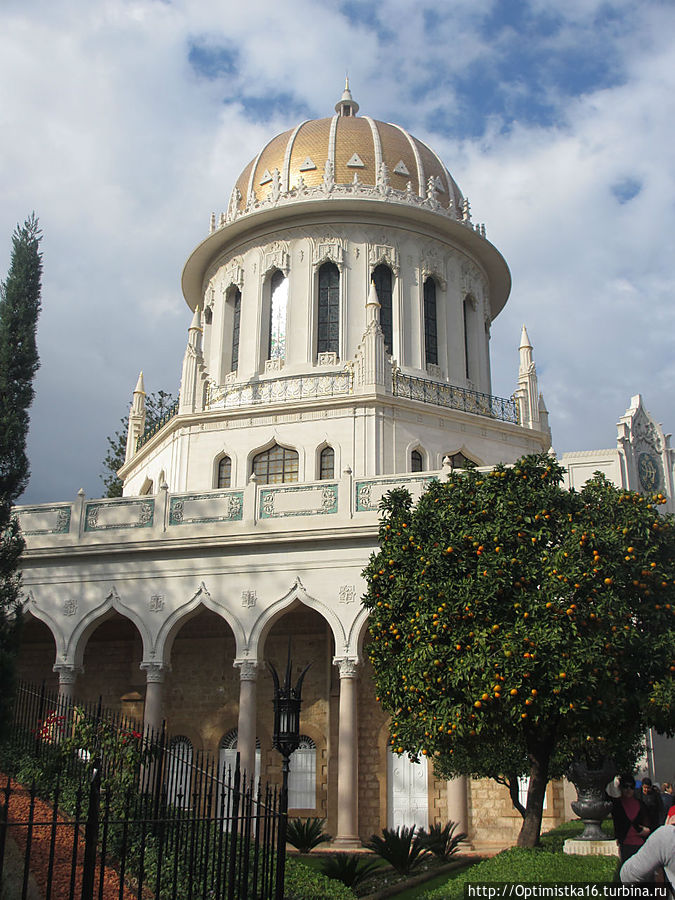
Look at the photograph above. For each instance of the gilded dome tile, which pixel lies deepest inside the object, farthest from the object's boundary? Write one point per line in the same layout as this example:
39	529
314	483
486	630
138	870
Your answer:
396	149
311	141
354	136
270	159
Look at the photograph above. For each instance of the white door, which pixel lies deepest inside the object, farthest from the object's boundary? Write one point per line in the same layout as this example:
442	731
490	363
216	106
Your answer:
408	799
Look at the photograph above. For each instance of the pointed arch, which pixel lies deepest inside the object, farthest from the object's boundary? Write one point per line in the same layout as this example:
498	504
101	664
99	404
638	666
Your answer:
85	627
161	651
269	616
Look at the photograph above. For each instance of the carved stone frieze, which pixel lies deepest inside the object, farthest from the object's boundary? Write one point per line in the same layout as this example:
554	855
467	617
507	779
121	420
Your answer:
233	275
384	253
347	593
156	603
276	256
328	358
69	606
328	250
249	599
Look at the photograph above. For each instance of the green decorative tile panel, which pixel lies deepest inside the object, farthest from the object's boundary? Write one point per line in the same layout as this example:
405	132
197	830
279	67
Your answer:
197	509
280	502
369	493
45	519
102	515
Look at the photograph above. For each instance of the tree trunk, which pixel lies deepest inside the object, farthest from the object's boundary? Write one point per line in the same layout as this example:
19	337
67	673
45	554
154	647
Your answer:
539	752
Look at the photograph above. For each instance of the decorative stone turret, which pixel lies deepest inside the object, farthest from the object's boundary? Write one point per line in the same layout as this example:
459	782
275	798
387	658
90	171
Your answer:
527	392
372	365
192	378
136	419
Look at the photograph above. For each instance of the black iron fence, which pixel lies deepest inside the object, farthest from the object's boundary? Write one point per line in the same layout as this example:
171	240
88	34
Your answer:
99	810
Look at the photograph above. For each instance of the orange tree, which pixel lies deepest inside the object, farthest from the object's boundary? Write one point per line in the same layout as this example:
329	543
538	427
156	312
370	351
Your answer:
516	625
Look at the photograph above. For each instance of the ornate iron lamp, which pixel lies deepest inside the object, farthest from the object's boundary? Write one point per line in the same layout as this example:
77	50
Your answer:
285	739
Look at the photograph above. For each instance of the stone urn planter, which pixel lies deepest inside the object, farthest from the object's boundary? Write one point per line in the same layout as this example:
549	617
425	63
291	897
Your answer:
591	805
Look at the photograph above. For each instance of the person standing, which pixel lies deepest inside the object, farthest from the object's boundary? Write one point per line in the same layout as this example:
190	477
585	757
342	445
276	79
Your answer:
651	797
657	852
631	819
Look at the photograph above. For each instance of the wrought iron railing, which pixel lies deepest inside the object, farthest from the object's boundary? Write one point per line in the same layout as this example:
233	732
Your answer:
134	815
160	423
452	397
280	390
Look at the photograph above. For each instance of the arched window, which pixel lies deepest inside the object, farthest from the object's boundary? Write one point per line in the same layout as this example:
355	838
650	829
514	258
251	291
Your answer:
459	461
329	309
228	756
302	775
468	329
236	319
179	771
276	465
383	285
430	326
416	461
224	473
327	463
278	303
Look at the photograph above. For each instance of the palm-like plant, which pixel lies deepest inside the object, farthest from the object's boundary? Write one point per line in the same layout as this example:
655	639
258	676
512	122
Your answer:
349	868
401	848
304	834
441	840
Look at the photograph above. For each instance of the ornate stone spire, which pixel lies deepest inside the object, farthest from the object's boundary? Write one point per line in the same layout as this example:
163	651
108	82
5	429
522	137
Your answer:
346	105
136	418
528	387
191	393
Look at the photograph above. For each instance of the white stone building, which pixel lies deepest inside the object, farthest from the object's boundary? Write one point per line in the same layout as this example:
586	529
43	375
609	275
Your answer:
339	346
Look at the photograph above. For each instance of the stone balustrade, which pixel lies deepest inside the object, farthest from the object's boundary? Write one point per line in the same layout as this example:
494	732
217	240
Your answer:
328	504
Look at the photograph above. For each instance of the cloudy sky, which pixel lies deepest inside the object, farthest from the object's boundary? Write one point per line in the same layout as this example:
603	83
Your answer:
126	122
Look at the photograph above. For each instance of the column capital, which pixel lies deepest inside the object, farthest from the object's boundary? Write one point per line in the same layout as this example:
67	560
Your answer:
67	674
155	673
347	666
248	669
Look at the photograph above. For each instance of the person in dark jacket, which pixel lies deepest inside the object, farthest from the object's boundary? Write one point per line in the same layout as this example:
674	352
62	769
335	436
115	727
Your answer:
651	797
631	819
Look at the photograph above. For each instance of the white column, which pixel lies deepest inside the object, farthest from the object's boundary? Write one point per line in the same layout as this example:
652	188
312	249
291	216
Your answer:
153	712
246	729
458	809
347	819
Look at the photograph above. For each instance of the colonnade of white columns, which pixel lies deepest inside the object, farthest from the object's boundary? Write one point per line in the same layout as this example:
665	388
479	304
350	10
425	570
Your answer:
347	836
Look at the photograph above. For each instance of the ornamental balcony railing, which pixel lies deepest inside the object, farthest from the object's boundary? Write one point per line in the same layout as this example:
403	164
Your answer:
452	397
160	423
280	390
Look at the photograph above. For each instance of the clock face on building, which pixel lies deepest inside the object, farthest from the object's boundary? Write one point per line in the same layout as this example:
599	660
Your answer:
648	469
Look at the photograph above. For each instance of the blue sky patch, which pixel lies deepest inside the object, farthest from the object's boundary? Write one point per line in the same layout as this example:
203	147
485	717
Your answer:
626	189
212	62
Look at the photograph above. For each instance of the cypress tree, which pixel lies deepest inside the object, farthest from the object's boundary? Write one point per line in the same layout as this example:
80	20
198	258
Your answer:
19	361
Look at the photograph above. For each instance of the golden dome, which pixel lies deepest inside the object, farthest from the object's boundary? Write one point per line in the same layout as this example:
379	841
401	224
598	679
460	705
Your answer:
348	151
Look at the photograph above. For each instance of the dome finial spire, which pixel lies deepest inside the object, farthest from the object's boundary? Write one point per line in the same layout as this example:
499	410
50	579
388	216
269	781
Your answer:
346	105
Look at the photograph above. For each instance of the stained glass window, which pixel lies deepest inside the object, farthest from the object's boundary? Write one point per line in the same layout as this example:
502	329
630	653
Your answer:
327	463
236	317
225	472
276	465
329	309
383	285
430	326
278	304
